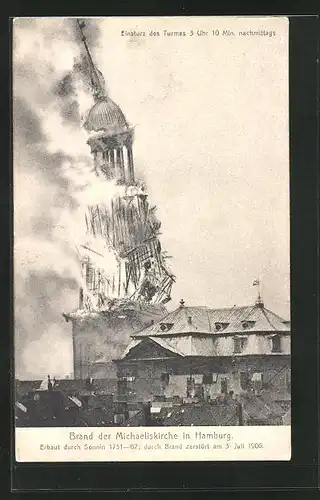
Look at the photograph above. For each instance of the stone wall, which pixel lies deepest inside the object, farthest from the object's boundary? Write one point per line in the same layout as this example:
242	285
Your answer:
101	337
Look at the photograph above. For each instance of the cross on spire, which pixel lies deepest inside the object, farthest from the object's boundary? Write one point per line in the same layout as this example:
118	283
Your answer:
96	77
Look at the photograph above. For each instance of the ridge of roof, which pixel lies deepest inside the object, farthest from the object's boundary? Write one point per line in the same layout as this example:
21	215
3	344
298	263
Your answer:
203	319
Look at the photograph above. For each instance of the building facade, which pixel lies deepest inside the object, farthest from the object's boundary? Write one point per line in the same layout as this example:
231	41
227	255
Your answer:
202	353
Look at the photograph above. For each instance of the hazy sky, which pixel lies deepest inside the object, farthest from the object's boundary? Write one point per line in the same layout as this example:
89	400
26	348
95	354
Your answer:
211	141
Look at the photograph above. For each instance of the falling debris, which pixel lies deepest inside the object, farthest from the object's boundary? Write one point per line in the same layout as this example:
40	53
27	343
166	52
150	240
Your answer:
125	231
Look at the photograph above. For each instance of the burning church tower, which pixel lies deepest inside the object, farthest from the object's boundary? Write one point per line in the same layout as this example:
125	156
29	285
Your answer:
116	301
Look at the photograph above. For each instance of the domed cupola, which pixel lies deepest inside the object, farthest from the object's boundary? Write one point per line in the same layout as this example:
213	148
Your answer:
105	116
110	136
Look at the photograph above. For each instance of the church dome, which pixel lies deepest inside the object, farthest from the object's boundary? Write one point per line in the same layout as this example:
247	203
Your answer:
105	115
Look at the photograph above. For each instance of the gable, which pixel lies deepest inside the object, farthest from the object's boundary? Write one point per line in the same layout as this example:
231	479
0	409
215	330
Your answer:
149	349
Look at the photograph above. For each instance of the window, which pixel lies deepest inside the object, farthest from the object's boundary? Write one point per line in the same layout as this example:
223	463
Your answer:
190	386
125	384
122	386
257	377
197	378
214	378
165	377
165	327
199	391
244	380
276	343
220	326
224	385
207	378
239	343
247	324
130	383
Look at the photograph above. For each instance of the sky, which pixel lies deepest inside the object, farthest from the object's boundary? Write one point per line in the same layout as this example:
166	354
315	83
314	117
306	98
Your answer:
211	143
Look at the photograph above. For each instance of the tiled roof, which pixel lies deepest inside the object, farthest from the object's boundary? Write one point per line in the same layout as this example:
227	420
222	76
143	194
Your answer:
26	386
98	385
276	394
203	320
287	417
68	385
204	414
260	407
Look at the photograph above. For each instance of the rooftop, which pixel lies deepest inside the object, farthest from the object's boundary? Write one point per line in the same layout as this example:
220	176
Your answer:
187	320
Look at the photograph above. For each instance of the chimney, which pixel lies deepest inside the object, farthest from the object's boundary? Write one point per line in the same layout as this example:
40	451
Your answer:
147	414
189	320
240	414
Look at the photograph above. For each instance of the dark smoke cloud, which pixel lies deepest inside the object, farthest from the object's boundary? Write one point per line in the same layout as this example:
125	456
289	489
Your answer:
65	90
42	294
45	287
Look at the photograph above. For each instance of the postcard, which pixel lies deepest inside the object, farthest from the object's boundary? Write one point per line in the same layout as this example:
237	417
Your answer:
151	239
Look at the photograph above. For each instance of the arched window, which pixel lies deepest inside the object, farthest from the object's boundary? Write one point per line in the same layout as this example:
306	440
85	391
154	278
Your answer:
276	343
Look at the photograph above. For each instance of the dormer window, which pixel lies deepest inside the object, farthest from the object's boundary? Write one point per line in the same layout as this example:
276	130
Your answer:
239	344
165	327
219	326
276	343
247	324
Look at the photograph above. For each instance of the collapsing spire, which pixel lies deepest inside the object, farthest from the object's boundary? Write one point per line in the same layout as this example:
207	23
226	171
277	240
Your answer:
96	77
123	259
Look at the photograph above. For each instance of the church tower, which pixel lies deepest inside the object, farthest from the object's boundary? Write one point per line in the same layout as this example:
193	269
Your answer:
126	280
111	137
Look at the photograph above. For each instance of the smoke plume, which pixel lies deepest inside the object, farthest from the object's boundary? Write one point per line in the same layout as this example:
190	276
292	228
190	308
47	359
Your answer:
53	180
